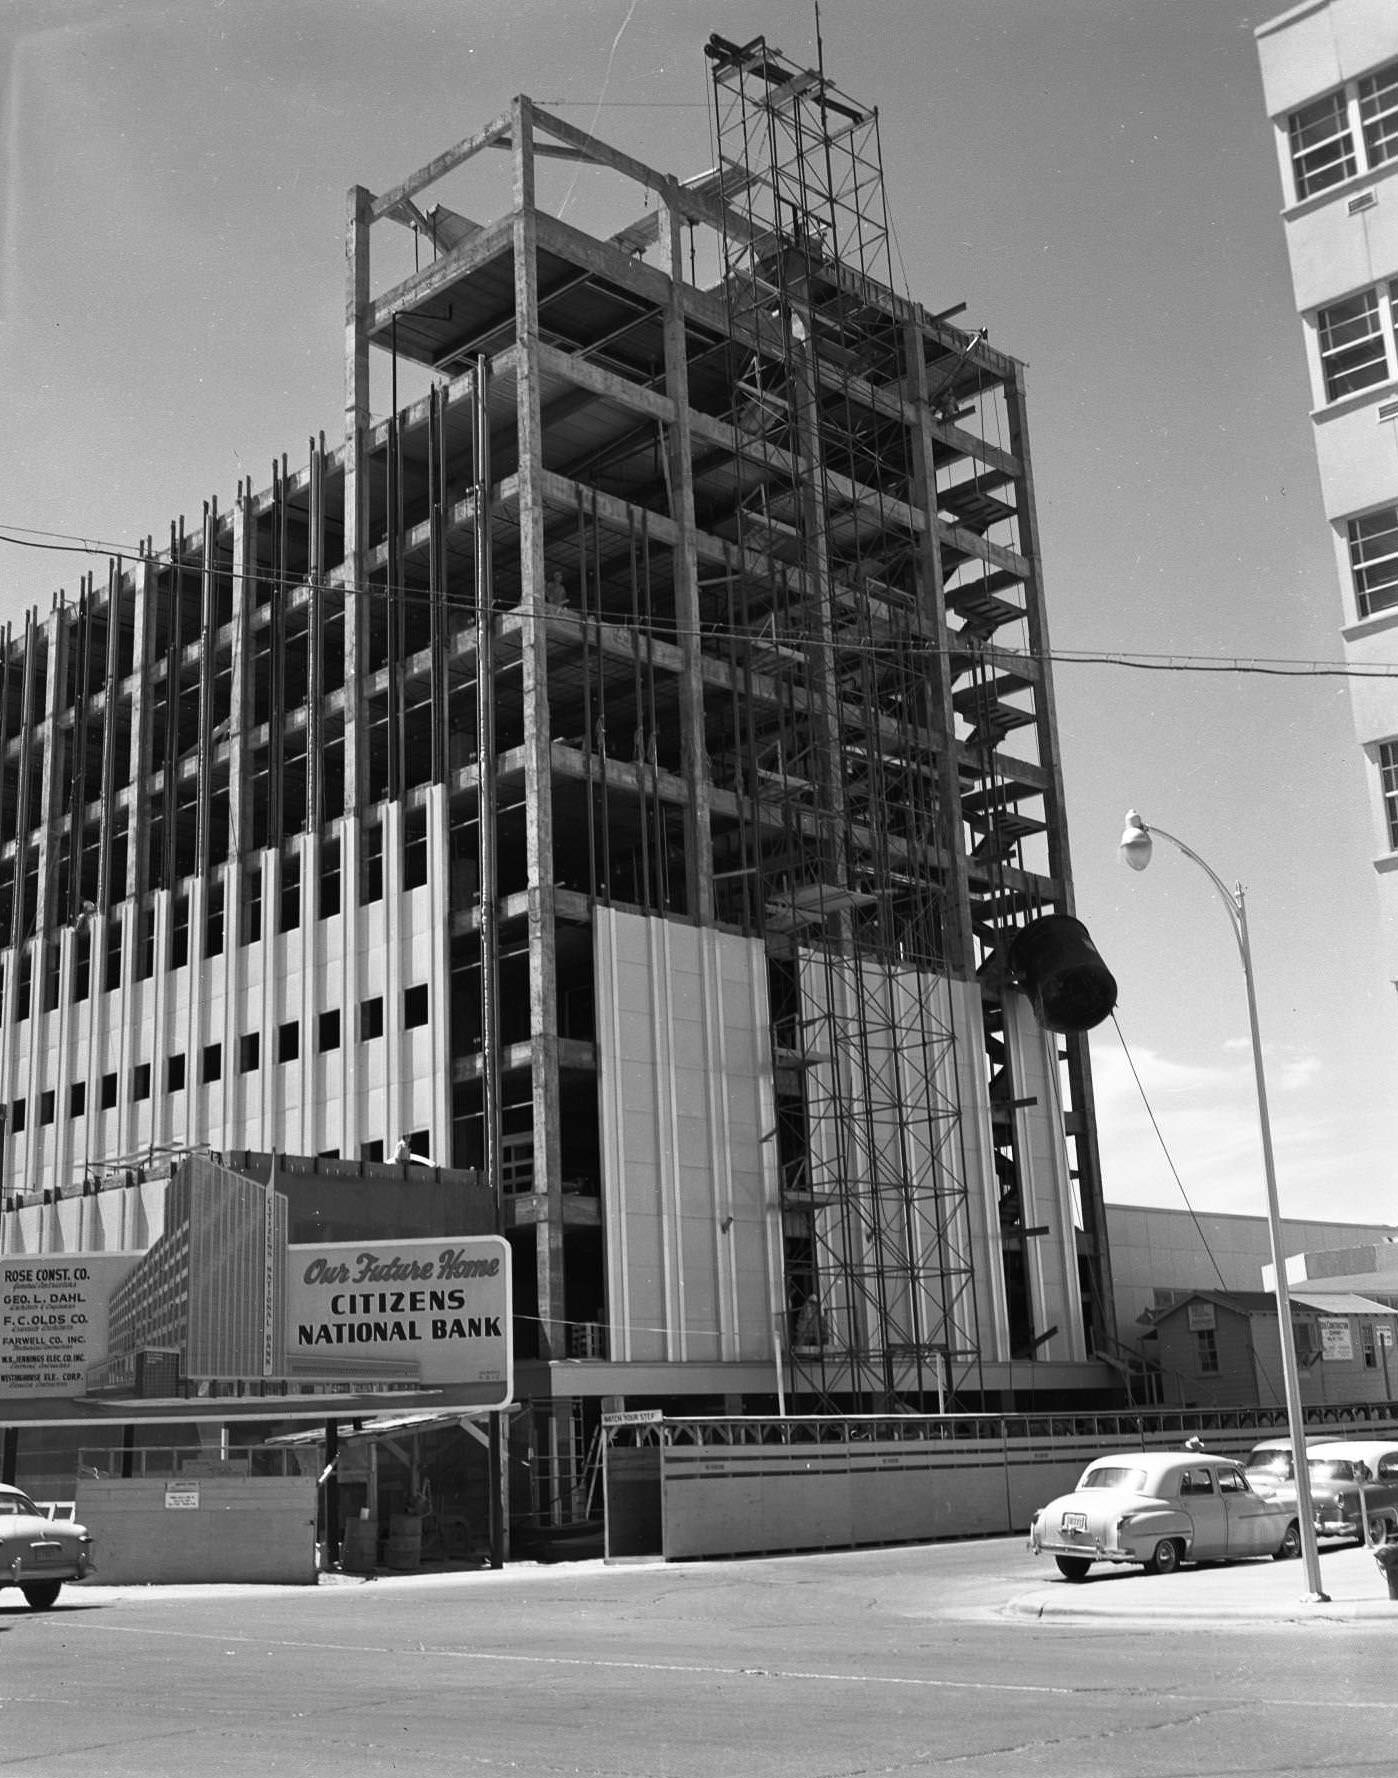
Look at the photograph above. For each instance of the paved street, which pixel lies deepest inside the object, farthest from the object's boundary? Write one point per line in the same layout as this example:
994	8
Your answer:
891	1661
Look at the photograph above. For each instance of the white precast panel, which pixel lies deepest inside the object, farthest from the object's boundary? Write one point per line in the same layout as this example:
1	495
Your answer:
689	1166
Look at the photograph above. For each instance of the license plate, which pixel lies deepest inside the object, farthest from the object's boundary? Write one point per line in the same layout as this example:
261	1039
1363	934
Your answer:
1074	1522
40	1553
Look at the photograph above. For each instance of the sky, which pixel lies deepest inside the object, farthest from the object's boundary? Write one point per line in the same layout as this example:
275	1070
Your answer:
1094	179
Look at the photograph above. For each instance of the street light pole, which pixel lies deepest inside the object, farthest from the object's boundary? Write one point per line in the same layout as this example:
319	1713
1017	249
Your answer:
1136	850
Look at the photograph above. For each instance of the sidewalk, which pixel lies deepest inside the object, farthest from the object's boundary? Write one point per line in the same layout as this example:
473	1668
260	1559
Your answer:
1260	1592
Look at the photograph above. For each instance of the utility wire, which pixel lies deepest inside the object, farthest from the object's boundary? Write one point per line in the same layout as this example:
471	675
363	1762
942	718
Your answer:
1139	660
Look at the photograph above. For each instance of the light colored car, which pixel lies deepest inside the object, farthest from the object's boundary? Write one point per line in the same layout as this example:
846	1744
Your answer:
1270	1467
1158	1509
1336	1476
37	1553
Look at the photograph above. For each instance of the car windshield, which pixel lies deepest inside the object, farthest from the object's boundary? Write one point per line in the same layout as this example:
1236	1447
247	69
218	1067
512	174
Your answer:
12	1505
1273	1463
1330	1469
1112	1475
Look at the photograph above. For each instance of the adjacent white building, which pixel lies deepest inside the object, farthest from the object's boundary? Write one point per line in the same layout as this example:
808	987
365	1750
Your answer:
1330	77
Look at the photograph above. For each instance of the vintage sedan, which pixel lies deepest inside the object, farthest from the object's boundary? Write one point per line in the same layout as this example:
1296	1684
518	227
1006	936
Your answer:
1271	1468
37	1554
1158	1509
1351	1479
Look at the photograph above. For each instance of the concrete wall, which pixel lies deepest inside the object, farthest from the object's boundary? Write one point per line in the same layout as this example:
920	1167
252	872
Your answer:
150	1530
729	1500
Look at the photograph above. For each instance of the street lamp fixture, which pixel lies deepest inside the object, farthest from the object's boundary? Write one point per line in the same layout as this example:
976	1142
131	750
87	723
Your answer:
1136	849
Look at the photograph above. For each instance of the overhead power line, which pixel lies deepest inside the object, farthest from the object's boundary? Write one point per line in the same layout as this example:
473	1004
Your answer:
1138	660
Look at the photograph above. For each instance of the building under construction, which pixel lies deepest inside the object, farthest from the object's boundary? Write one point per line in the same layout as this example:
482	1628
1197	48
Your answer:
623	770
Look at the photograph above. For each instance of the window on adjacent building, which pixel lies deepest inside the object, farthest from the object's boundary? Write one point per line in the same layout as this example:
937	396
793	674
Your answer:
371	1151
328	1036
109	1092
1345	133
1373	560
140	1081
415	1007
1378	113
288	1042
1388	785
77	1098
174	1074
1322	145
370	1018
17	1117
46	1107
249	1051
1353	351
212	1068
1205	1351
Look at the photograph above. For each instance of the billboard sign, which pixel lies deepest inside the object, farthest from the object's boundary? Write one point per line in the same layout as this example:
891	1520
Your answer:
221	1317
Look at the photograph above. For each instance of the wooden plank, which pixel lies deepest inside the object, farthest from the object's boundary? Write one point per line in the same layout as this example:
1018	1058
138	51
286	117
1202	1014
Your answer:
443	164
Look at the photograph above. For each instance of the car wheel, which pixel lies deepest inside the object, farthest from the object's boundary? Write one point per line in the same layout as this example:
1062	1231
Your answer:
1290	1546
1073	1567
1380	1527
40	1594
1165	1557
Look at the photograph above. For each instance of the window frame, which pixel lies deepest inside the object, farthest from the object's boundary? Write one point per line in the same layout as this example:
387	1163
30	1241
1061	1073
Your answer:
1378	146
1346	133
1387	760
1312	170
1373	573
1342	373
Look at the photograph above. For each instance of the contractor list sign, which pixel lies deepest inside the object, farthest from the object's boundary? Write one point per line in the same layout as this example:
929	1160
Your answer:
53	1319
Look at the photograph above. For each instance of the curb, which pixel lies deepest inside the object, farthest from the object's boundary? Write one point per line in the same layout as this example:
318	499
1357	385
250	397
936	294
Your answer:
1043	1608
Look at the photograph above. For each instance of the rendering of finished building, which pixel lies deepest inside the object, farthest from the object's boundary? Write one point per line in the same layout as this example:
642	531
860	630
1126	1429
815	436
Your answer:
624	768
1330	79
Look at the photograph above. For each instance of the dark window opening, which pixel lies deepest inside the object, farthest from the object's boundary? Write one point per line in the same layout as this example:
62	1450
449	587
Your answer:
289	917
174	1074
330	877
370	865
328	1034
288	1041
415	1007
212	1068
371	1018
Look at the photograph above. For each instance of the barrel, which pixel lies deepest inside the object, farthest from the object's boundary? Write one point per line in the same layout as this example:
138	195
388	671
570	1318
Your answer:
359	1551
404	1548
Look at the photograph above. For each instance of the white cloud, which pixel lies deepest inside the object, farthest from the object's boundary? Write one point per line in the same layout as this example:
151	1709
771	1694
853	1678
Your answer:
1205	1116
